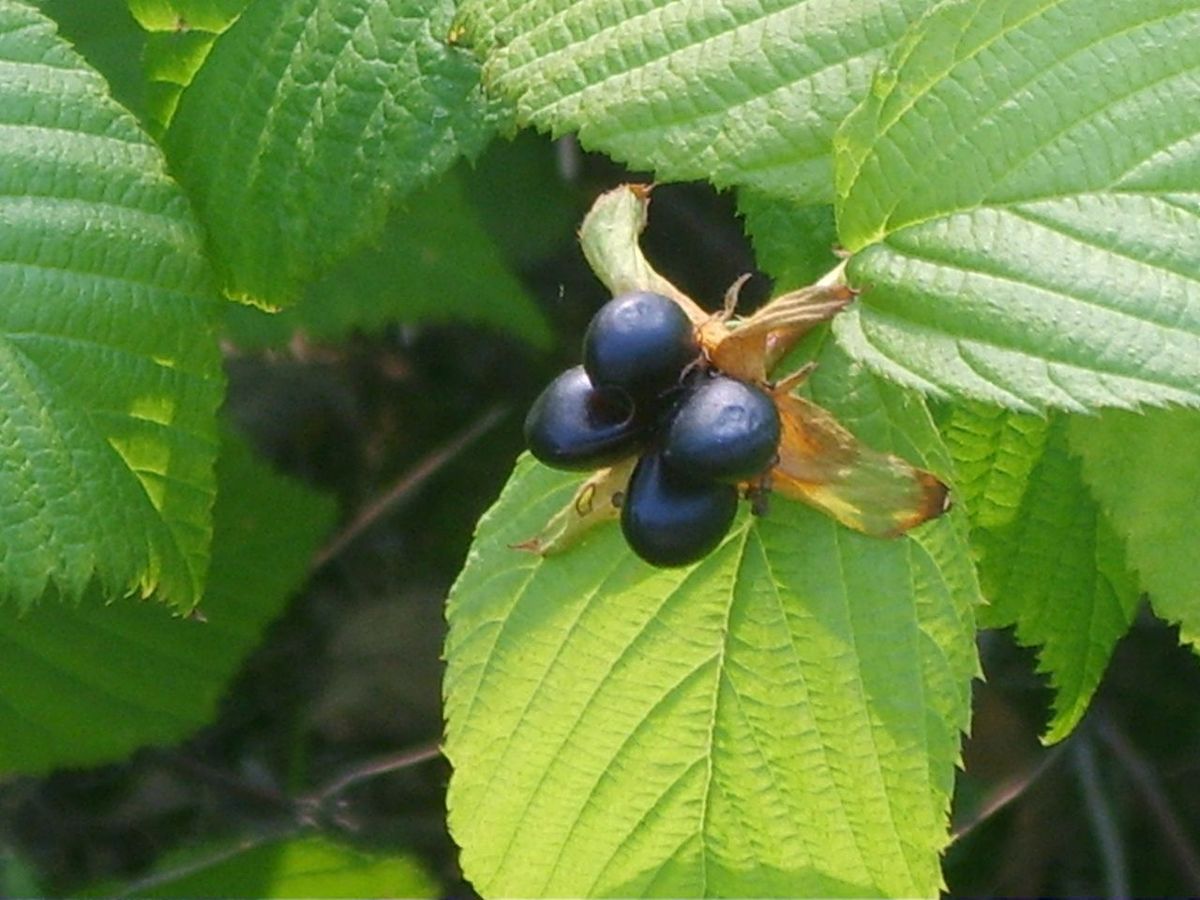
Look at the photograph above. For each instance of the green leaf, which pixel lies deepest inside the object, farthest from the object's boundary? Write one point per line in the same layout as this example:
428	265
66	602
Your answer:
109	371
995	453
87	683
1049	561
182	33
307	120
1026	222
433	262
794	243
1143	470
294	867
19	877
731	92
783	718
107	37
213	16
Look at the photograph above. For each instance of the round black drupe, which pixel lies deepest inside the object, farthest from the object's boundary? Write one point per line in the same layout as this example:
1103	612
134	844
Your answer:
573	425
669	519
639	342
724	430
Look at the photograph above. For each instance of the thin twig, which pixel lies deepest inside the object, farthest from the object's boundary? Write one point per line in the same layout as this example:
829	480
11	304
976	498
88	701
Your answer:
220	779
1011	789
1156	800
393	762
143	886
1100	815
408	483
303	808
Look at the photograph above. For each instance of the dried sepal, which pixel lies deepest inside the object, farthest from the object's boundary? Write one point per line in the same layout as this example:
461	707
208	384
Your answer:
609	237
754	345
824	465
596	501
820	463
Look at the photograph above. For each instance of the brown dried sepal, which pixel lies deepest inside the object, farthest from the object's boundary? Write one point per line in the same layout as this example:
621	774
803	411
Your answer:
753	346
820	462
824	465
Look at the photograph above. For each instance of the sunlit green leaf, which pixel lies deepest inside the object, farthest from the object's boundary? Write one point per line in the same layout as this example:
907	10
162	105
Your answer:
782	718
732	92
1143	470
1020	188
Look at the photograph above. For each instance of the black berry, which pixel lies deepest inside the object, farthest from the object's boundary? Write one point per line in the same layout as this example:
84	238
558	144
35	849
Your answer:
574	425
669	519
639	342
723	430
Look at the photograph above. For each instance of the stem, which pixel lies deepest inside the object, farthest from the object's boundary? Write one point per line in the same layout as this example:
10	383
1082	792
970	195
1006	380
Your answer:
223	781
141	887
1007	792
373	768
408	483
1100	816
1156	800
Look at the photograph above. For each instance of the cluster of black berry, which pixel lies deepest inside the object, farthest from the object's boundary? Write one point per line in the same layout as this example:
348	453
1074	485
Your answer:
644	387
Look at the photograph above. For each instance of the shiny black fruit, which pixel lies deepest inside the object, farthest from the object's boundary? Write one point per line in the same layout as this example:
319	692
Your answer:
724	430
669	519
639	342
573	425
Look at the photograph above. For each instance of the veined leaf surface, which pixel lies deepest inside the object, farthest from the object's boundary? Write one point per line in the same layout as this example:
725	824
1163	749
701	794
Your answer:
733	91
307	119
1050	562
109	372
783	718
1020	190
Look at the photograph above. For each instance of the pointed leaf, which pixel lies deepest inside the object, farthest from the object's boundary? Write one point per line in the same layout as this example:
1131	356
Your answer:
109	372
731	92
794	243
108	38
1025	219
433	262
182	33
1143	470
261	136
88	683
782	718
1049	561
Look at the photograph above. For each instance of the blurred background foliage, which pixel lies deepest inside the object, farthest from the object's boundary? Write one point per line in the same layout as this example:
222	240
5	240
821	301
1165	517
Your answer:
402	398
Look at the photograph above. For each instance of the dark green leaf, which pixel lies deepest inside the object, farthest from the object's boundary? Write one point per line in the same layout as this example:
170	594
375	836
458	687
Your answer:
88	683
109	371
307	120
